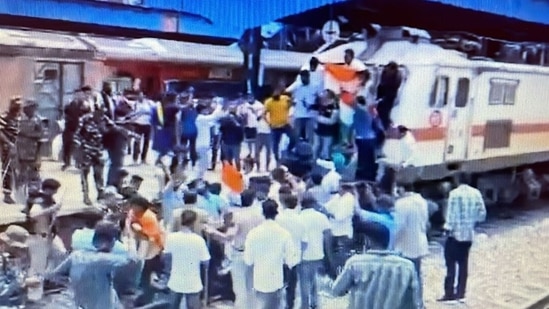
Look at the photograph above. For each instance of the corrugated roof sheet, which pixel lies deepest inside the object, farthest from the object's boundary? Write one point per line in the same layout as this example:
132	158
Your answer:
284	59
245	14
536	11
39	39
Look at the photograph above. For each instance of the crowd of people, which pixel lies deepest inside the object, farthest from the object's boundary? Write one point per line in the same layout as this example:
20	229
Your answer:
326	210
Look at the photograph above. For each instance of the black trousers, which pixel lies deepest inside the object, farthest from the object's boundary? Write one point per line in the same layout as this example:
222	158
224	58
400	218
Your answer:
367	166
191	142
290	277
456	253
68	140
143	130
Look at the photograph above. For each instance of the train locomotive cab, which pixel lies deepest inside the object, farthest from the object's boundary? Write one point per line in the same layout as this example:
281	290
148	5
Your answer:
481	117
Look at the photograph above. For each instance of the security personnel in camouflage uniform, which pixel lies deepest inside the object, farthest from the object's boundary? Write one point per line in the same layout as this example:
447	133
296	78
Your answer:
9	129
89	147
31	134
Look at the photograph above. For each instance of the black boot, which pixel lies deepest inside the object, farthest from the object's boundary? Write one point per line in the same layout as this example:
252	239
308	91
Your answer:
8	199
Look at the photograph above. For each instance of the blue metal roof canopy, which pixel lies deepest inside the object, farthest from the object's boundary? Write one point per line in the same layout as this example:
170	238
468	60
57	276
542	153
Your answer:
536	11
438	15
246	14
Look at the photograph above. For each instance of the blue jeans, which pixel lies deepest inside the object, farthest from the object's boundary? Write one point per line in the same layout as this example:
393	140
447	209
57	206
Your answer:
277	133
192	300
271	300
231	153
304	128
117	162
308	273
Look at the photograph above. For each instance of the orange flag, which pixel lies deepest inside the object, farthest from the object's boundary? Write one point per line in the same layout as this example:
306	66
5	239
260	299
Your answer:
232	178
340	72
344	79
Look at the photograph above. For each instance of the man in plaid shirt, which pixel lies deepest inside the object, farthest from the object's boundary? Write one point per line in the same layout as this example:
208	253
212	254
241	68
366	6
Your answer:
465	209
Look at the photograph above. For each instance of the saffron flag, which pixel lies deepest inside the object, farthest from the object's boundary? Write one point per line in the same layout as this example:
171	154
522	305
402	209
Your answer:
232	178
343	80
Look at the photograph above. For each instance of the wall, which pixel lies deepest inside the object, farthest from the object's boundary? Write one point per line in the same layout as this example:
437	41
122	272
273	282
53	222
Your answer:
18	79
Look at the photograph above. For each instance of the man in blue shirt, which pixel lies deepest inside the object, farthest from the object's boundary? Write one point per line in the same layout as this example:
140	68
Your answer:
370	222
91	272
368	130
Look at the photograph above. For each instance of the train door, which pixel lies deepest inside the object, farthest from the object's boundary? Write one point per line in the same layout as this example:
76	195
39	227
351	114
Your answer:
459	112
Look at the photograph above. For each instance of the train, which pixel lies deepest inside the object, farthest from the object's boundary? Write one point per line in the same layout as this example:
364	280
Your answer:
485	116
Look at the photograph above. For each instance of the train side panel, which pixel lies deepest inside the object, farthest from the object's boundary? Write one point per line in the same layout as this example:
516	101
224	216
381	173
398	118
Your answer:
511	115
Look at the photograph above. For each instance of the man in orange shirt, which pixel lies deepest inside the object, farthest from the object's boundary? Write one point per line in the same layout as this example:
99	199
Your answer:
144	224
277	114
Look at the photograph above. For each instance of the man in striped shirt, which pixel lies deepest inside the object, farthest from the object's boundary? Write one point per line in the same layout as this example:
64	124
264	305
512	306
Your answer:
465	209
9	129
379	278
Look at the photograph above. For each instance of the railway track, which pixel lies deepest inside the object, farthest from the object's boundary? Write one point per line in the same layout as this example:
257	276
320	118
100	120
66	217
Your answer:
541	303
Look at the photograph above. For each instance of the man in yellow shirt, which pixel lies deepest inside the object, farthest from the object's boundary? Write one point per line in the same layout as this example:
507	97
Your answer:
277	114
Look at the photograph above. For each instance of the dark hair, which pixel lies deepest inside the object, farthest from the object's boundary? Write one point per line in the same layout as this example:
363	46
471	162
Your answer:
86	88
285	189
270	209
139	201
289	201
188	217
378	235
215	188
350	52
278	174
314	61
464	178
402	129
200	108
247	197
104	236
189	197
316	178
50	183
308	200
347	187
361	100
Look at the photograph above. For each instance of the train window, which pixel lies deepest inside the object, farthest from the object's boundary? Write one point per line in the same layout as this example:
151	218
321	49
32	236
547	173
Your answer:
439	94
502	91
462	95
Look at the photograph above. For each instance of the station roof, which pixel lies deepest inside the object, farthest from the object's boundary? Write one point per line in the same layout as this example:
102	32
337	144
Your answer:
246	14
515	20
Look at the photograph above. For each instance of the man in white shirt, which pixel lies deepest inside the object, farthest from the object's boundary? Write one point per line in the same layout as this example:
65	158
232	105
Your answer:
268	255
331	181
398	153
251	110
411	219
318	232
244	219
316	74
189	252
204	121
341	209
263	139
290	220
304	96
